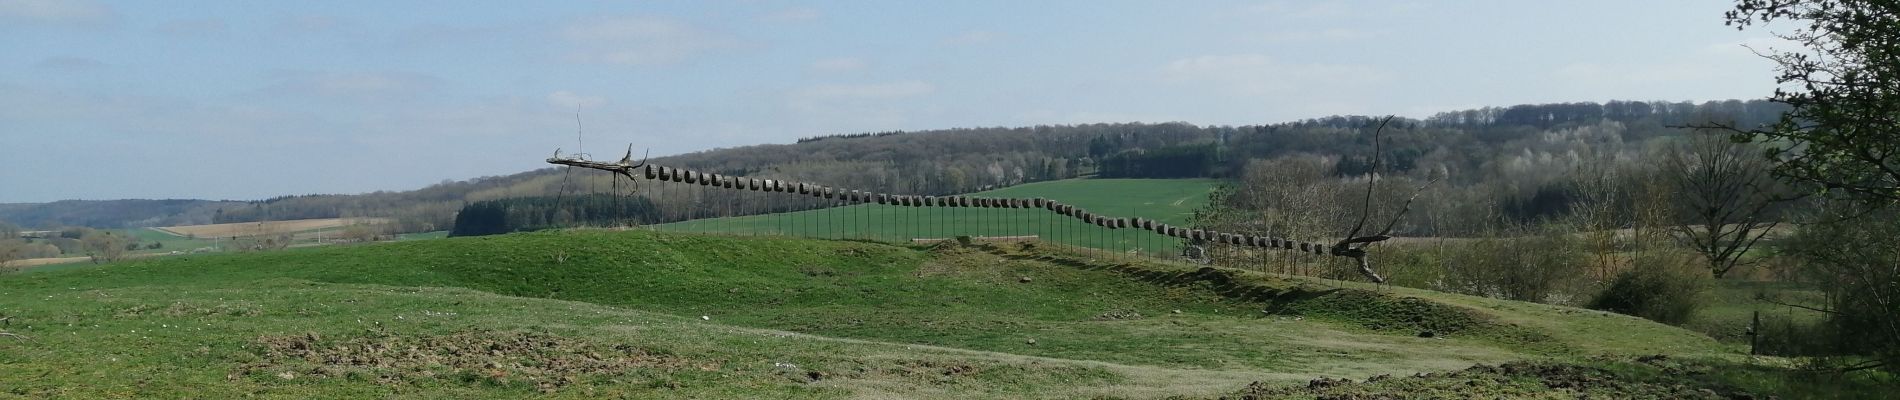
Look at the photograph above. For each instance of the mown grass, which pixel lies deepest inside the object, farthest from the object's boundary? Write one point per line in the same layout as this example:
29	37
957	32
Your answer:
1166	200
647	314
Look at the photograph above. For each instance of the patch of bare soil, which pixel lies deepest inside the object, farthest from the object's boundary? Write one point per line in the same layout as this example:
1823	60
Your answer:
1528	379
543	360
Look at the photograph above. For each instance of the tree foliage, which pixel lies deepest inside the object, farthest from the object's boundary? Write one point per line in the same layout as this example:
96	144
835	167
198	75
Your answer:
1842	132
533	213
1842	136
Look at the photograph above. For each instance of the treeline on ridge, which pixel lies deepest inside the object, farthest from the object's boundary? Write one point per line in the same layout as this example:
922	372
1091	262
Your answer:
489	217
1466	146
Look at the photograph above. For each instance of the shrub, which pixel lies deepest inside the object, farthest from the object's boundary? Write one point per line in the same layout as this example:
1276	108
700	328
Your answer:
1539	266
1663	287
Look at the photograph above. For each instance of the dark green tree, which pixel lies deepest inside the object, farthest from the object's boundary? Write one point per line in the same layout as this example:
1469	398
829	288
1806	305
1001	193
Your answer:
1842	136
1843	131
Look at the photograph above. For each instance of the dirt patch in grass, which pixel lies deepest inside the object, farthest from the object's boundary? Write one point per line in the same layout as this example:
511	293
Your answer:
1512	380
192	309
539	360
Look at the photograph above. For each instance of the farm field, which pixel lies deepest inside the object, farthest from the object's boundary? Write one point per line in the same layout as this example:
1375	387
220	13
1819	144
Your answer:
1167	200
585	314
244	229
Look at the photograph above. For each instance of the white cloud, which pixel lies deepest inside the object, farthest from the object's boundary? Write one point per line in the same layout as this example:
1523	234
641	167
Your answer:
313	23
194	27
69	64
1087	117
1751	46
1323	35
1302	10
356	85
838	64
56	11
793	15
1721	70
850	108
973	38
1255	74
568	100
891	90
640	40
1328	10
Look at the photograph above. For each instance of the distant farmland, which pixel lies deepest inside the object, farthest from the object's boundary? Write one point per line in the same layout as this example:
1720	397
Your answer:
245	229
1170	201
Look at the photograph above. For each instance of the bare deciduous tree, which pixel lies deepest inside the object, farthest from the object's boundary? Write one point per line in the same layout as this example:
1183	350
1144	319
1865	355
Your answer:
1723	195
104	246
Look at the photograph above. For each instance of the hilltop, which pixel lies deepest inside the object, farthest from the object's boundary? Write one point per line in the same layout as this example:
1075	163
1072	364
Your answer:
605	313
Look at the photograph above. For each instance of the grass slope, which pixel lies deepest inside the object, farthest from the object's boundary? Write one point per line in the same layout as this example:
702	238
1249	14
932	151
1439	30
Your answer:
1166	200
602	313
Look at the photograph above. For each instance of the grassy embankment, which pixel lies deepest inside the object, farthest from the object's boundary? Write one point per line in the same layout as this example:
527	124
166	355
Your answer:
599	313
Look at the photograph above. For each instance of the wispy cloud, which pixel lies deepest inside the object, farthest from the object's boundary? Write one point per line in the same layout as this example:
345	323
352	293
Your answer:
973	38
640	40
1714	65
860	107
1299	9
69	64
567	100
1322	35
194	27
313	23
837	64
85	12
354	85
888	90
1260	74
793	15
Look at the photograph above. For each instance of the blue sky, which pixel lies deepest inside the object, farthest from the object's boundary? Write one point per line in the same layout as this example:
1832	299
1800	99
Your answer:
247	99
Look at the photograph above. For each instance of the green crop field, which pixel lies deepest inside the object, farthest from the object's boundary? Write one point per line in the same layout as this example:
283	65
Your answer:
1167	200
169	242
588	314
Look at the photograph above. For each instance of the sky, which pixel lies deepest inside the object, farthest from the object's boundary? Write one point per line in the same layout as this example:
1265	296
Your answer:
247	100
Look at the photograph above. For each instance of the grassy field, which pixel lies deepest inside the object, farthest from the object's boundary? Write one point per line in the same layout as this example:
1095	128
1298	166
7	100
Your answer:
653	314
1165	200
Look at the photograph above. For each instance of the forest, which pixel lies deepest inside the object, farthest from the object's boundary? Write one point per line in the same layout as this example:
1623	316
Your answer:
1517	156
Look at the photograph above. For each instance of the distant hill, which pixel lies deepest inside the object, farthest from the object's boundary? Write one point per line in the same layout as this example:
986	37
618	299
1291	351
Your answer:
971	159
112	213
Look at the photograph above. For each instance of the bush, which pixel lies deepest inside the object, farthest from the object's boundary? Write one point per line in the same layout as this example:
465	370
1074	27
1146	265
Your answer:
1853	261
1662	287
1532	265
